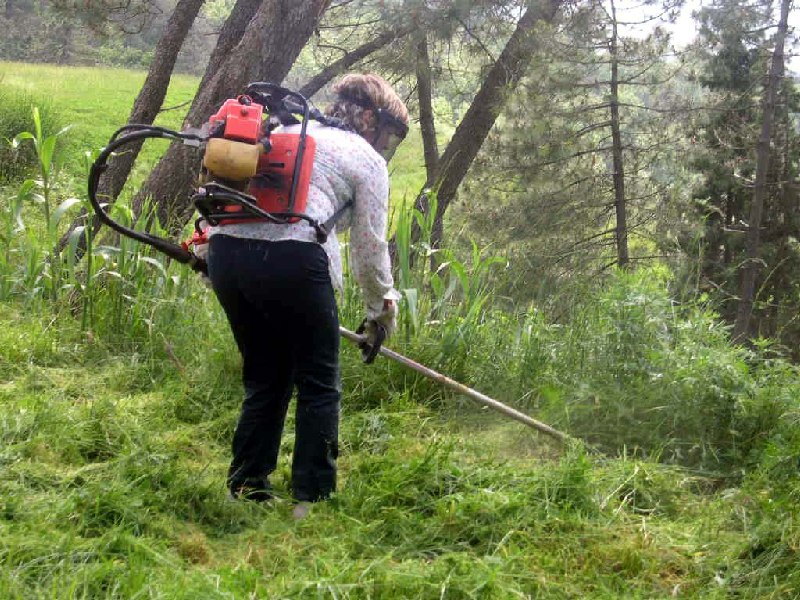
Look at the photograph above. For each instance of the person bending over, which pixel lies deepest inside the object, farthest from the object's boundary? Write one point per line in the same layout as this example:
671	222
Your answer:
276	283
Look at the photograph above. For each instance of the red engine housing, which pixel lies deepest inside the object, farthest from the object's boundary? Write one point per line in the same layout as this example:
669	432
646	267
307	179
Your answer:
242	121
272	184
280	161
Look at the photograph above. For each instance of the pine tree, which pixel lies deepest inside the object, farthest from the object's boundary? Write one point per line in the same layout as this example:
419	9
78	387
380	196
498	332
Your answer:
579	171
749	171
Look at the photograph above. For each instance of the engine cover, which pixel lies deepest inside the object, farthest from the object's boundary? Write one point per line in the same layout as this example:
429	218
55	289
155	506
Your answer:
272	184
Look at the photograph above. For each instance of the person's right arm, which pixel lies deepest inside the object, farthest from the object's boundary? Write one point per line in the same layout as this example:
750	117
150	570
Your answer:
369	250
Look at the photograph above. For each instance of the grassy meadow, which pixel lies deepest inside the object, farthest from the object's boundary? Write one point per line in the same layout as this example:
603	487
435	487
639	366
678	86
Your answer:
94	102
119	391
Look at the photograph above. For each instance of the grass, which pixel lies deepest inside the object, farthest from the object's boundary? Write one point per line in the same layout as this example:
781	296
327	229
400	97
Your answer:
120	388
94	101
112	487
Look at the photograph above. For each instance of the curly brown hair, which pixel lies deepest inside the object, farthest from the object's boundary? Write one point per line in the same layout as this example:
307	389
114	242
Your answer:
356	92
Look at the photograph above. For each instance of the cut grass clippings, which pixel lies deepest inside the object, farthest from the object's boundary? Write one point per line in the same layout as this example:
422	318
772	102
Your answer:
108	491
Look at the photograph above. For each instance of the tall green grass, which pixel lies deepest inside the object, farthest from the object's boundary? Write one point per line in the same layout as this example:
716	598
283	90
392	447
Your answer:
112	487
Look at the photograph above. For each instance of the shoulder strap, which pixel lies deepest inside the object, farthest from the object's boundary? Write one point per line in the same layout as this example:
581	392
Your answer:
336	122
324	229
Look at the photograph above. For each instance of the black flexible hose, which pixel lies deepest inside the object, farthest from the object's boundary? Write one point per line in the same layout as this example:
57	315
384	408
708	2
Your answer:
155	128
273	96
140	133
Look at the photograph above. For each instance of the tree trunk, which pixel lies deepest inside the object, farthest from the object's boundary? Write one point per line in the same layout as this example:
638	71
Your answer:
145	109
266	51
621	230
750	267
471	132
427	125
230	34
777	225
338	67
65	51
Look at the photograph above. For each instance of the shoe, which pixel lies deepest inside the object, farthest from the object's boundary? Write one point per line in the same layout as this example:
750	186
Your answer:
301	510
251	494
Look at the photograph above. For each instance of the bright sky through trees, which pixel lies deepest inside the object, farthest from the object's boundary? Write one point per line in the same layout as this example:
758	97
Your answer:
684	29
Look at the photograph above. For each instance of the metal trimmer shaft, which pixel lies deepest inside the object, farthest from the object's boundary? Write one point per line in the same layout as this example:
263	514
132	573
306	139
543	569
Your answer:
462	389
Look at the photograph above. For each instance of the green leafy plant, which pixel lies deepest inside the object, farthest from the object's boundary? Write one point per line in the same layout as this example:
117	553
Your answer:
45	148
19	162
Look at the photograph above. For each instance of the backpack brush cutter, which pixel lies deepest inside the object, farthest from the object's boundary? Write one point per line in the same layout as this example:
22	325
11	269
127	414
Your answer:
250	172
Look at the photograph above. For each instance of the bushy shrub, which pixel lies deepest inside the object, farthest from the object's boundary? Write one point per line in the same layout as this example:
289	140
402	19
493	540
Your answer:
16	116
117	54
633	369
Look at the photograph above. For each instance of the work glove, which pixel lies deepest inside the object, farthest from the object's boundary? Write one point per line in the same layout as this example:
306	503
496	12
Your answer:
387	317
376	329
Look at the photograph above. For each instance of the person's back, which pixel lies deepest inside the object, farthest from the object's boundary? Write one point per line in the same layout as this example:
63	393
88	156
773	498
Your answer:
346	170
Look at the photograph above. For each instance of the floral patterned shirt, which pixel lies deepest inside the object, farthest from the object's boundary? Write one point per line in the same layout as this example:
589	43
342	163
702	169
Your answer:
346	168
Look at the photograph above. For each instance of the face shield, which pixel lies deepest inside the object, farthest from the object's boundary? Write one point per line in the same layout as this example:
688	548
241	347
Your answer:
389	133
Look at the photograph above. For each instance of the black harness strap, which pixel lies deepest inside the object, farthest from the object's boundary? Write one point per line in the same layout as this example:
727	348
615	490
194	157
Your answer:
324	229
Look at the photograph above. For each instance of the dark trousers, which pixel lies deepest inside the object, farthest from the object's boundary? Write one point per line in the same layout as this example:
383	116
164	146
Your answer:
281	307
